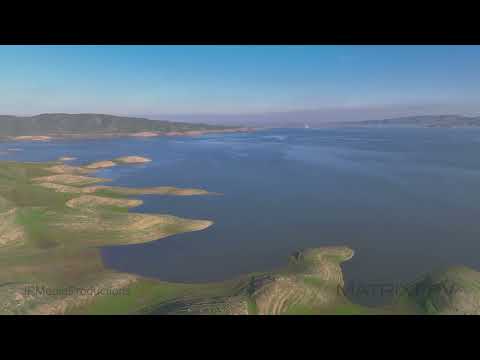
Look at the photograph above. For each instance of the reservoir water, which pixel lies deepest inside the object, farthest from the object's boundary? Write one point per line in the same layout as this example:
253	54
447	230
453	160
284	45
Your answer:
407	200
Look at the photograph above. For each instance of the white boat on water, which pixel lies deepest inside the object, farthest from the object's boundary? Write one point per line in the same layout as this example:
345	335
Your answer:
307	127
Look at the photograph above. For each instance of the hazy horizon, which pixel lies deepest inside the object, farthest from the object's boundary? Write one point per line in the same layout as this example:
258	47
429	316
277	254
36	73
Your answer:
296	118
312	117
249	84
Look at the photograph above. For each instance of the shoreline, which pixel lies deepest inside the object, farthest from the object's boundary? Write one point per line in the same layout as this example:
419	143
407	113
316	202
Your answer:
50	226
144	134
51	240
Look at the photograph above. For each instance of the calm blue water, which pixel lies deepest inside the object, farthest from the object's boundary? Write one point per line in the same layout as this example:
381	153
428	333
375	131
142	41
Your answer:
406	200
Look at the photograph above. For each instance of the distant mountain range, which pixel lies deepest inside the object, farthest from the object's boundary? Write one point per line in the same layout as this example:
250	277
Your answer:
58	125
91	124
422	121
333	117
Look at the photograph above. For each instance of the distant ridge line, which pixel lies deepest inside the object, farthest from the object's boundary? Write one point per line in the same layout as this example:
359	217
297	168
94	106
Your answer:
92	123
422	121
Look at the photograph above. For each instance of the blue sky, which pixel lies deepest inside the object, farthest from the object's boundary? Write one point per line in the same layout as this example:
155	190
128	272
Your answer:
151	80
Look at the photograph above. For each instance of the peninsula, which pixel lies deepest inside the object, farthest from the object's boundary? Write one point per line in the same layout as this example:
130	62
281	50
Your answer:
54	219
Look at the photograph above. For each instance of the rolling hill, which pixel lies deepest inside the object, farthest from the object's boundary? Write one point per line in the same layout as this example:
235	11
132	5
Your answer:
422	121
91	124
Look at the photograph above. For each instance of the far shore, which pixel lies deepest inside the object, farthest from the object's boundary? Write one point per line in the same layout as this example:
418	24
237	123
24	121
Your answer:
143	134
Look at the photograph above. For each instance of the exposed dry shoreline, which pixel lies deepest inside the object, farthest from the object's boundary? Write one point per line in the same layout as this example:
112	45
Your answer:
144	134
51	236
32	138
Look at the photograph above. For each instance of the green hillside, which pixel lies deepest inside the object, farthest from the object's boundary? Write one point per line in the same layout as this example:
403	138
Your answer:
52	124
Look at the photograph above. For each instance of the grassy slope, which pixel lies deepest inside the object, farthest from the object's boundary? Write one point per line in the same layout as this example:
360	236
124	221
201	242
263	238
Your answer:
58	243
455	290
151	296
305	286
49	124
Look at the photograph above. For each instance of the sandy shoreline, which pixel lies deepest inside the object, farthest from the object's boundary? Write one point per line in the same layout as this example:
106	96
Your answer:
144	134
